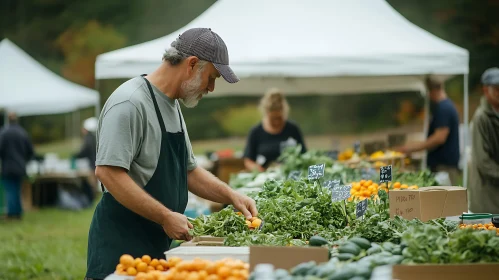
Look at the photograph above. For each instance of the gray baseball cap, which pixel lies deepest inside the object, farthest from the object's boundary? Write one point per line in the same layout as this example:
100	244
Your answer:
206	45
491	77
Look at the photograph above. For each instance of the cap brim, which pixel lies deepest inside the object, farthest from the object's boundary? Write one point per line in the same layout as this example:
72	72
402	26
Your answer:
227	73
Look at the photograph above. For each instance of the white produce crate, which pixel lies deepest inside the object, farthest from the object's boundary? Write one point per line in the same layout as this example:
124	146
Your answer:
212	253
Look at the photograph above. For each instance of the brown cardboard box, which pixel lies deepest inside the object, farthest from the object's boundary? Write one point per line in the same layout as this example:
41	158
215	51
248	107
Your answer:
428	203
445	272
205	241
286	257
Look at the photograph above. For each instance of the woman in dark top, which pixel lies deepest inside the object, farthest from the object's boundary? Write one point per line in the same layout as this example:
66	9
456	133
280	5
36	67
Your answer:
267	139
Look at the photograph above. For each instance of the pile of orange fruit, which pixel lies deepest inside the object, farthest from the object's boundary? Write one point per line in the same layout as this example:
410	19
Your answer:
176	268
488	226
364	189
132	267
198	269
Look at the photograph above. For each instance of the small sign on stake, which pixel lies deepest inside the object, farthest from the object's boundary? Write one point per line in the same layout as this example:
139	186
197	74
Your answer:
361	208
339	193
385	174
316	171
294	175
331	184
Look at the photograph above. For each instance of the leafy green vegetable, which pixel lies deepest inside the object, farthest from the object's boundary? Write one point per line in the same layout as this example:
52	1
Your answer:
219	224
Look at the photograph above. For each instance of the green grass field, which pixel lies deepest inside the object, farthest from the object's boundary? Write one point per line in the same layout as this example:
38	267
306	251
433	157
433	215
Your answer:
47	244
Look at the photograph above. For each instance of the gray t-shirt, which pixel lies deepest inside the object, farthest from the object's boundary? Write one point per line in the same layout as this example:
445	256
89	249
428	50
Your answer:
129	134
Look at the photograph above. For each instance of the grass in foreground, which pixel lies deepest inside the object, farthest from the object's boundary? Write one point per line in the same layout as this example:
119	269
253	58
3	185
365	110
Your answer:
46	244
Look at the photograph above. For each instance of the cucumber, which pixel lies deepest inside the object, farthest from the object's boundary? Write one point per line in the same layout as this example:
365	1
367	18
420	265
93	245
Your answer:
326	271
361	242
396	259
364	271
388	246
350	247
397	250
374	250
281	273
317	241
344	274
358	278
303	268
345	256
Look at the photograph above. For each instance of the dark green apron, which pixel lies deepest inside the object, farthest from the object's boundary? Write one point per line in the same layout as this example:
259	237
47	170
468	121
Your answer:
116	230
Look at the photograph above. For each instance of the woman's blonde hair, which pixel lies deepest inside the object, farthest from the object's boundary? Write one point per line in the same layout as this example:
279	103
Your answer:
273	101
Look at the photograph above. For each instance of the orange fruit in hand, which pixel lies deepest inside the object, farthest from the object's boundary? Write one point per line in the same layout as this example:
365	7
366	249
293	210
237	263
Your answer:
127	260
146	259
256	223
248	223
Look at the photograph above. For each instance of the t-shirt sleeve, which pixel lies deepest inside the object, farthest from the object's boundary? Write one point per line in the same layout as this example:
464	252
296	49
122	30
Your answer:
251	145
442	117
119	136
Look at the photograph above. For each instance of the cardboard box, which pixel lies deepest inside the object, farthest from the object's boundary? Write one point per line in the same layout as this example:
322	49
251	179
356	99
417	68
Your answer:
205	241
445	272
428	203
286	257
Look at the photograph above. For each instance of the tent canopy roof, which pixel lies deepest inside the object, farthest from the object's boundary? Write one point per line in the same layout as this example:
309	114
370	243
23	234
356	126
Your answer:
292	38
28	88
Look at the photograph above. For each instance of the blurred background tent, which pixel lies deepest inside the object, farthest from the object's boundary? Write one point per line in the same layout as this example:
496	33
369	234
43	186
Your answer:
28	88
323	47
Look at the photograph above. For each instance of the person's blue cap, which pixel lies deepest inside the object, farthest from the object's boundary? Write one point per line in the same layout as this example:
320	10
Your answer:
491	77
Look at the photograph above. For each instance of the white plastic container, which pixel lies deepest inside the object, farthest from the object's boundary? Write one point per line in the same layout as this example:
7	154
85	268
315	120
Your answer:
212	253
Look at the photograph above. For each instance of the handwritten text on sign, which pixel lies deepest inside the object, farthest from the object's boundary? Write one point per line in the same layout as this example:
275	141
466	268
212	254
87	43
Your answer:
316	171
361	208
385	174
331	183
340	193
404	205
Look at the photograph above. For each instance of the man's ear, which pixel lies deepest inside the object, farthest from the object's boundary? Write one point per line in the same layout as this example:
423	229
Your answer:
191	62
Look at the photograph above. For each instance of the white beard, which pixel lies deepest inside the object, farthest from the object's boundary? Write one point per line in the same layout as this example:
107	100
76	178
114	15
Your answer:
192	93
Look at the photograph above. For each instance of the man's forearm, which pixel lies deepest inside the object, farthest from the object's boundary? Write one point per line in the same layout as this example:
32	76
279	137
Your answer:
130	195
204	184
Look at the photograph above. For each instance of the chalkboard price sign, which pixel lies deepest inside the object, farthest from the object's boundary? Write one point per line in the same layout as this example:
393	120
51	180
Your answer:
340	193
331	184
316	171
294	175
385	174
361	208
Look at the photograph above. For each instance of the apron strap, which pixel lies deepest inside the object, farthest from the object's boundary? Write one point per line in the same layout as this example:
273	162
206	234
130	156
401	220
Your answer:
180	118
156	107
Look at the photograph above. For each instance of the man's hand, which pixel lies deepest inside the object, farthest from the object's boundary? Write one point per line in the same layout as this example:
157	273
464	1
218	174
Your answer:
177	226
403	149
246	205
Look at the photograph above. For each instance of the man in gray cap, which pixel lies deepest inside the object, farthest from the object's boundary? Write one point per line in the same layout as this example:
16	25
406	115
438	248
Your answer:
145	159
483	190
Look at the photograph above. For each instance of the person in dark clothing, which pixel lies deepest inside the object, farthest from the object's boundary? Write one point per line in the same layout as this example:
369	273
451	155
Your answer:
267	139
88	150
16	150
442	143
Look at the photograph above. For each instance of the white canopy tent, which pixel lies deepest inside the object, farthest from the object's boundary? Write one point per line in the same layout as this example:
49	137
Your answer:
28	88
311	47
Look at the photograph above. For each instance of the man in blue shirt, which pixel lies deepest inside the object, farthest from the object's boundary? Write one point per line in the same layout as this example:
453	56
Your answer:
442	143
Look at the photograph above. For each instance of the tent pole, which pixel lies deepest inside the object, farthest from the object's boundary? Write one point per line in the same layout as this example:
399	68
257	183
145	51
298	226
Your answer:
97	106
465	140
425	125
